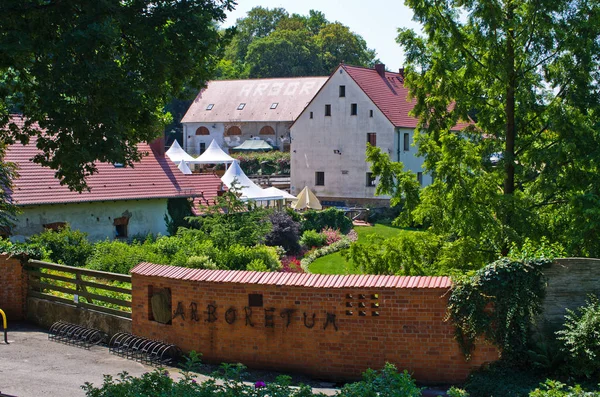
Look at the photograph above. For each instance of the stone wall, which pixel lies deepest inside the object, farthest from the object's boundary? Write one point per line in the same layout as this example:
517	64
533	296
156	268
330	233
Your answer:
570	281
313	326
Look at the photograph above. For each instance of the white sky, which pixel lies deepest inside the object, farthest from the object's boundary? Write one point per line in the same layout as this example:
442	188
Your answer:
376	21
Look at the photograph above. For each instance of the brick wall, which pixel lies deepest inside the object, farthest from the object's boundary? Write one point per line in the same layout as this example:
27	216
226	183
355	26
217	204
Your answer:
375	324
13	288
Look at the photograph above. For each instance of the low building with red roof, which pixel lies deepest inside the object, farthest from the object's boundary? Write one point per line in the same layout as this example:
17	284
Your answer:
121	201
355	106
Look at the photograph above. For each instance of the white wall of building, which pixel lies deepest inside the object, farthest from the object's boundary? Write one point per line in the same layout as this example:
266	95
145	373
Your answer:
316	142
94	218
249	130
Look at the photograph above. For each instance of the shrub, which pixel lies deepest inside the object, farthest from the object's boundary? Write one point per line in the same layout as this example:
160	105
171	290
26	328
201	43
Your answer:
331	235
387	382
311	238
120	257
331	217
501	379
291	265
285	232
65	246
553	388
581	339
238	257
265	163
178	210
201	262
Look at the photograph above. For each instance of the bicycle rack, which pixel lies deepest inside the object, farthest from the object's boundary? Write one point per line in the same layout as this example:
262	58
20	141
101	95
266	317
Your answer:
147	351
76	335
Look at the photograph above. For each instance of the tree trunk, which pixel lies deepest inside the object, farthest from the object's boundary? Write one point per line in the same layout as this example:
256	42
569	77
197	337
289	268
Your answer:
509	152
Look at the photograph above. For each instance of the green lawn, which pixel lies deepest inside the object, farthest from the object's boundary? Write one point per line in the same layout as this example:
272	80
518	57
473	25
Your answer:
335	264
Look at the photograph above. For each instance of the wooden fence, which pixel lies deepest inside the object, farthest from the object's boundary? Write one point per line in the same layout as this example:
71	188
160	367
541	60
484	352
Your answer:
90	289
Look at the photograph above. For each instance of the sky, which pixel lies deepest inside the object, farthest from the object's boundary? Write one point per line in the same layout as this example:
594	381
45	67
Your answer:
376	21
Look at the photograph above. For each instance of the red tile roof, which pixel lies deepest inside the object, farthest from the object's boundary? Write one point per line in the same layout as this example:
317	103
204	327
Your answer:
388	94
290	279
153	177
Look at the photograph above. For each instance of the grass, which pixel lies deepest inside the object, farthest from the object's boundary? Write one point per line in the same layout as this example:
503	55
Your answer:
336	264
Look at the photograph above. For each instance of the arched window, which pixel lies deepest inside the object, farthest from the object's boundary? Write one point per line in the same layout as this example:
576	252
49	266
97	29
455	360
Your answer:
267	130
202	131
233	130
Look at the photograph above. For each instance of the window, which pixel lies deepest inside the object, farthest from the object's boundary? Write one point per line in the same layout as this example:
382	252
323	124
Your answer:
233	130
202	131
406	142
241	106
120	225
342	91
274	105
210	106
311	115
371	180
319	178
327	110
372	138
420	178
353	109
55	226
202	147
371	113
267	130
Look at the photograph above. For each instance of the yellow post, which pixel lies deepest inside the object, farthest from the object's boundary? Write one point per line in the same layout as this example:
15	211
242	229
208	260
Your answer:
4	326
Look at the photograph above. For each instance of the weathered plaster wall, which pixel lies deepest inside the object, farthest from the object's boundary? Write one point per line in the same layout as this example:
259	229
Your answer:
94	218
314	141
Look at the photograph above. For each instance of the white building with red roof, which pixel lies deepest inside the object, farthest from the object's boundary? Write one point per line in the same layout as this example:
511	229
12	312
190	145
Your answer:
355	106
121	201
233	111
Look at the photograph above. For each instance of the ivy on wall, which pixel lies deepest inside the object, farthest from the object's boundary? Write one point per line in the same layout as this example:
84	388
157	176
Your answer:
499	303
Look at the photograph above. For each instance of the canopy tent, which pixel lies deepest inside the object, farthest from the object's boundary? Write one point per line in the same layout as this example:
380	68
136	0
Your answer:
249	190
273	190
213	155
254	145
183	167
307	199
177	154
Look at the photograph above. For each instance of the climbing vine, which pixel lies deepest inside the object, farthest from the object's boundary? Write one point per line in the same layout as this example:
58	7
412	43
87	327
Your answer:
499	303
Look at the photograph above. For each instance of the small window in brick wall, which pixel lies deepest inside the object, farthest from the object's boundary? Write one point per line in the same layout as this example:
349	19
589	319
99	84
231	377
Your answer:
362	305
120	225
255	300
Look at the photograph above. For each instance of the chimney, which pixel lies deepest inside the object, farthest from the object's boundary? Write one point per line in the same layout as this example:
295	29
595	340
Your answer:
380	68
158	146
401	72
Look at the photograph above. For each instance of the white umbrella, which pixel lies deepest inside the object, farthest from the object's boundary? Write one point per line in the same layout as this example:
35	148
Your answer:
213	155
307	199
177	154
248	189
183	167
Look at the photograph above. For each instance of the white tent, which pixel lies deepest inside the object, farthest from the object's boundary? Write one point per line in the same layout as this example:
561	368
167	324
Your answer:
213	155
177	154
183	167
307	199
274	191
249	190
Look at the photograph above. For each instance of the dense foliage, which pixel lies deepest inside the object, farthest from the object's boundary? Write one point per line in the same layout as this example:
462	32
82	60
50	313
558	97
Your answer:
64	246
285	232
500	303
312	239
526	74
178	210
387	382
96	75
581	339
331	217
264	163
273	43
8	210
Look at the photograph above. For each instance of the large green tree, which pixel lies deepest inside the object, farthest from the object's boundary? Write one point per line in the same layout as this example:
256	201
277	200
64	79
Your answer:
273	43
526	73
96	74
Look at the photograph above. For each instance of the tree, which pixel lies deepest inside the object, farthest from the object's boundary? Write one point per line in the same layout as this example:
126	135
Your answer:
272	43
527	74
284	53
8	210
96	75
337	43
